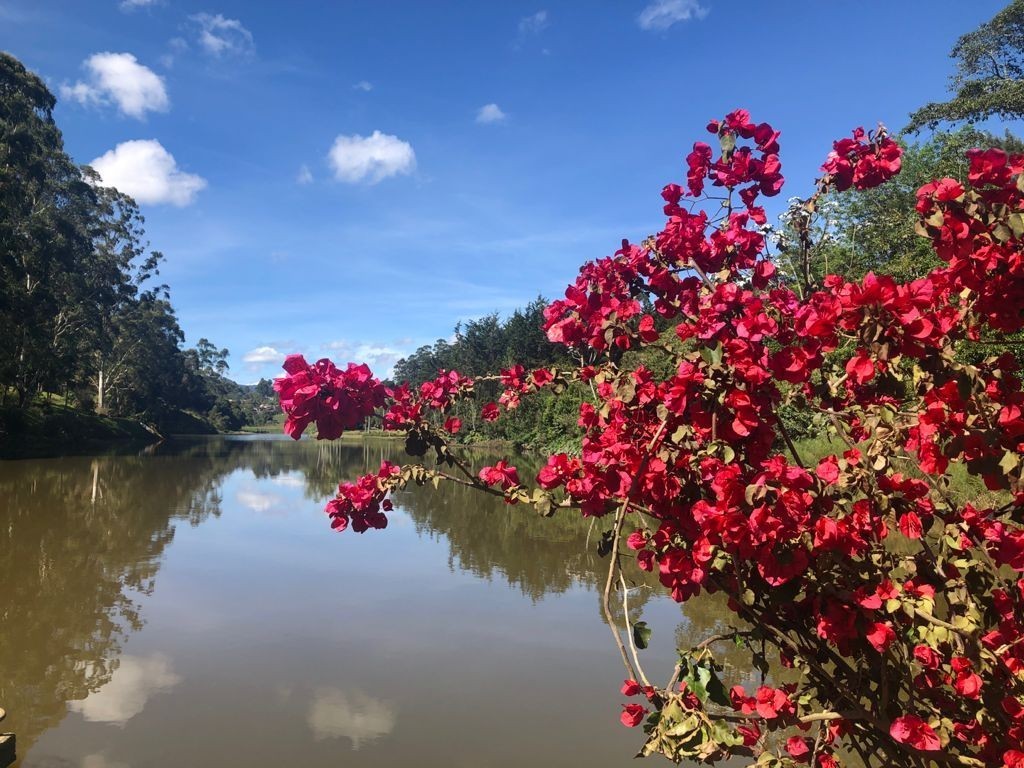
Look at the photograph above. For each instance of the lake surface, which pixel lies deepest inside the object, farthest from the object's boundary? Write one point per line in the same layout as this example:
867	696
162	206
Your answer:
191	606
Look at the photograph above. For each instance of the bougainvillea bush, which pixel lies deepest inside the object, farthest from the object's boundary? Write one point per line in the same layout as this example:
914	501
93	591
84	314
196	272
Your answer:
895	611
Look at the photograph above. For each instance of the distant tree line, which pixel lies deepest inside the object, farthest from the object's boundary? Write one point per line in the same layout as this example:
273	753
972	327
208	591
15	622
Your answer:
84	319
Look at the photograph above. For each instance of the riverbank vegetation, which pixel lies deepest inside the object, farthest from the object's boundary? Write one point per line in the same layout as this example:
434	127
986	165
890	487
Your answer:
86	320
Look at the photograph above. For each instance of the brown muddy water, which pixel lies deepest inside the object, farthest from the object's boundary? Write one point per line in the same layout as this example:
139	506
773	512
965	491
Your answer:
190	606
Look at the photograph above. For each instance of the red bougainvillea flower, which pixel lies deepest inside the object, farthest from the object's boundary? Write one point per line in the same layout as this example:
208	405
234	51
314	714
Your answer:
490	412
798	748
912	730
320	393
881	636
502	473
632	715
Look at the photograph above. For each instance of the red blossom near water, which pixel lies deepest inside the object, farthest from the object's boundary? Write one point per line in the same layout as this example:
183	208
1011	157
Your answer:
915	732
452	425
632	715
502	473
637	540
798	748
631	688
768	703
364	502
751	734
490	412
335	400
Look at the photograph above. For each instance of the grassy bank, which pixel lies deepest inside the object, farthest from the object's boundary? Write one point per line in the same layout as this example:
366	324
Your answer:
50	429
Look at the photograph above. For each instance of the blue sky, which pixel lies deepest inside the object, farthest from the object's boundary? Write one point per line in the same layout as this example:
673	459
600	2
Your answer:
350	179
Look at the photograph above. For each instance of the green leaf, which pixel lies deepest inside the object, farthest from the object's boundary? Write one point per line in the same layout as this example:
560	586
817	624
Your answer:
1009	462
716	691
697	680
641	634
544	507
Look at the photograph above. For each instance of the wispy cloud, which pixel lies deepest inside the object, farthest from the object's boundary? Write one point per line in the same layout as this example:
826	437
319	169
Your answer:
131	5
119	79
662	14
490	113
533	24
379	356
363	85
148	172
220	36
304	176
356	158
261	356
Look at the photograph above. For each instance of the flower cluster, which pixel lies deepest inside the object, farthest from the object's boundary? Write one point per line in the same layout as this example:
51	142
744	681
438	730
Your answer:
322	393
864	161
364	502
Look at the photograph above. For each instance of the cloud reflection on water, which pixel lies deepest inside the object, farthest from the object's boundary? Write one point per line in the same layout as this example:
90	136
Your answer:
136	679
355	716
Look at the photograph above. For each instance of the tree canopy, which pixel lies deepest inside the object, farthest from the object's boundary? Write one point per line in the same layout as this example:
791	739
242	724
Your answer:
989	71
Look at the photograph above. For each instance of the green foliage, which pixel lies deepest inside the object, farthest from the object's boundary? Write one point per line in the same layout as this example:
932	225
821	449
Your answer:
988	79
485	346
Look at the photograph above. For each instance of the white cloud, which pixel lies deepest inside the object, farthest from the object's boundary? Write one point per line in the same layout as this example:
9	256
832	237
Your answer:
131	5
355	716
304	176
262	356
370	158
176	46
136	679
533	24
363	85
219	35
148	172
379	356
119	78
662	14
291	479
490	113
259	502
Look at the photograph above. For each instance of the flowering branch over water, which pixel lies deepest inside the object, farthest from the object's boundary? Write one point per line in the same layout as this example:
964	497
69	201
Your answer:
897	612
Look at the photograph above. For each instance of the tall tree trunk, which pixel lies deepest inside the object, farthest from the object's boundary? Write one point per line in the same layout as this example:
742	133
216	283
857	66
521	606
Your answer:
100	391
